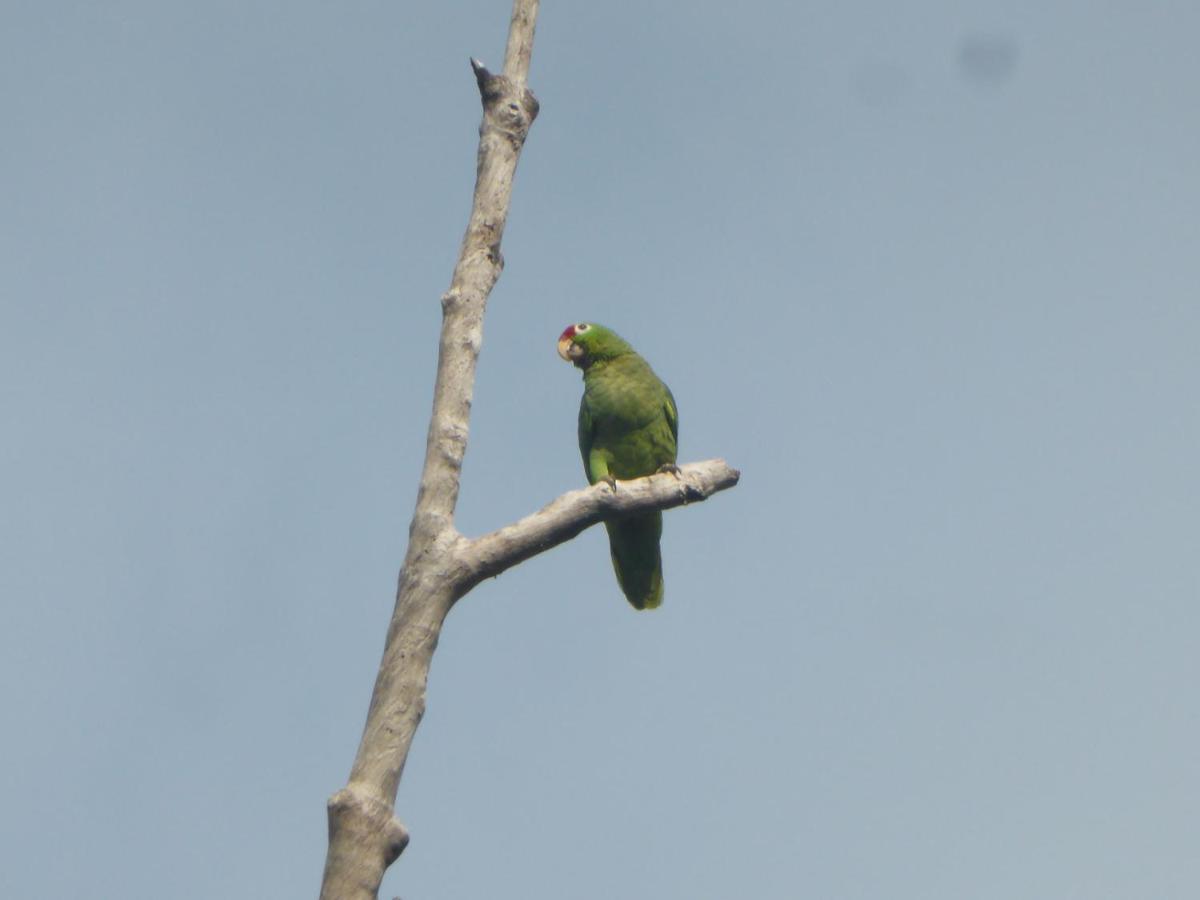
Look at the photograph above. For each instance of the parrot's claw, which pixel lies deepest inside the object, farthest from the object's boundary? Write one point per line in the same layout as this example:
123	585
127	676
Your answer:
670	468
611	482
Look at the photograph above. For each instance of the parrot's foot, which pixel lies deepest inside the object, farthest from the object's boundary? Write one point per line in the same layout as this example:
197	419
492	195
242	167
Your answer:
669	468
611	482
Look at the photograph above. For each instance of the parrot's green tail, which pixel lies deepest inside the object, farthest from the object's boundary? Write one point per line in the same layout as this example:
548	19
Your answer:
636	558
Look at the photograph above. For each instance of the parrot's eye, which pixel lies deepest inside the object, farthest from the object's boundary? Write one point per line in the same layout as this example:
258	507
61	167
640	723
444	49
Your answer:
582	327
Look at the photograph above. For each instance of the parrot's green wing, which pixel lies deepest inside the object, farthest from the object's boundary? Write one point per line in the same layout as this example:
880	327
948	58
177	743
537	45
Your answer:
672	415
585	438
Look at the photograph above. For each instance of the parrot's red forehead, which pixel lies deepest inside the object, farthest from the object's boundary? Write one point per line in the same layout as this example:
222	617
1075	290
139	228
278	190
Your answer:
568	333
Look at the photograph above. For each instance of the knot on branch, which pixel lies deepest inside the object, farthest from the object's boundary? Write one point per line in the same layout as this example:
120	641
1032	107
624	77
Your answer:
368	820
692	493
452	440
512	107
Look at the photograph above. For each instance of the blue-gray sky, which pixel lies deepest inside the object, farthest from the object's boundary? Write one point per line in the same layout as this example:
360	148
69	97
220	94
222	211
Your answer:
927	273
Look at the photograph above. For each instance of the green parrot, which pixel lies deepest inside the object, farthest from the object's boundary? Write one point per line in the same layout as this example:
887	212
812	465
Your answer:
628	427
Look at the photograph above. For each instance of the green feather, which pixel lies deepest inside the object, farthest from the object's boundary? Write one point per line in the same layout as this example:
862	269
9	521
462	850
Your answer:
628	427
636	558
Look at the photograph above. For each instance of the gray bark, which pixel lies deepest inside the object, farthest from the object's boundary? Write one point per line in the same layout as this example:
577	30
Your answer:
442	565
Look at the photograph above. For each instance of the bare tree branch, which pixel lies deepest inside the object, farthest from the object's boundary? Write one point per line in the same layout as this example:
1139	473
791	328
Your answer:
364	836
520	42
564	518
441	565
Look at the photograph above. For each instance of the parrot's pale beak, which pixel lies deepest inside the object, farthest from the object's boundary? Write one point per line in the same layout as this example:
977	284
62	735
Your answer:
565	348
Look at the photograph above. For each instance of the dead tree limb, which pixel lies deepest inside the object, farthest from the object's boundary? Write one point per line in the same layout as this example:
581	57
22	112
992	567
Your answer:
564	518
441	565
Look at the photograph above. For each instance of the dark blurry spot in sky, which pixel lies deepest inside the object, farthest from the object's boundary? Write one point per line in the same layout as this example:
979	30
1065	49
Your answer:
879	83
987	59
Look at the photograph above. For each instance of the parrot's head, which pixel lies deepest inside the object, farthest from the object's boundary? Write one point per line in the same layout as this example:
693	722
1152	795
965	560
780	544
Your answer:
586	342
